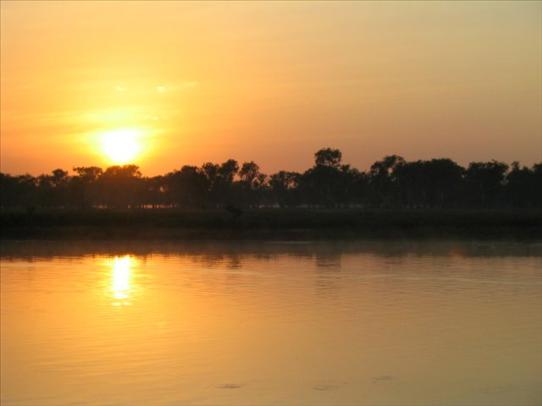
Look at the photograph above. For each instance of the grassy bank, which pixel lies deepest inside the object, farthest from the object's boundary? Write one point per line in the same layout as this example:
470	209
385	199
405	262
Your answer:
268	224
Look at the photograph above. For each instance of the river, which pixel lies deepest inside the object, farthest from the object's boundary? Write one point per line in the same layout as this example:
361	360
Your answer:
262	323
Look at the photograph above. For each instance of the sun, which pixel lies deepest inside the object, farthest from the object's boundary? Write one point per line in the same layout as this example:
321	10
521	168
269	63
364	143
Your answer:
121	146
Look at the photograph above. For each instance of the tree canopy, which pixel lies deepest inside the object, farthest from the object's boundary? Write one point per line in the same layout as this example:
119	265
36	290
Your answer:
391	182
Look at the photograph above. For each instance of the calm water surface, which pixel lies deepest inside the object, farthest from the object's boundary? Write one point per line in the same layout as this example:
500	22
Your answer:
365	323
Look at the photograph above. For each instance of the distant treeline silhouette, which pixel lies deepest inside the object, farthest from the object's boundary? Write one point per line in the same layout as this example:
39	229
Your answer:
389	183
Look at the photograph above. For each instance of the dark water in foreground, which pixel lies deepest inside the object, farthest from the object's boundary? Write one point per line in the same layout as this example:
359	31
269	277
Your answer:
369	323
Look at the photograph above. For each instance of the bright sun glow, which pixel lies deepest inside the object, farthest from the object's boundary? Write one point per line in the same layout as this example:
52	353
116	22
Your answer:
121	275
121	146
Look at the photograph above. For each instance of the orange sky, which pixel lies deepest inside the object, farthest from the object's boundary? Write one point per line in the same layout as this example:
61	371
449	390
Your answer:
270	82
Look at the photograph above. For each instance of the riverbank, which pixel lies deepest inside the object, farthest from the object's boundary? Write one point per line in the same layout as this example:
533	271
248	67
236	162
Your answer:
291	224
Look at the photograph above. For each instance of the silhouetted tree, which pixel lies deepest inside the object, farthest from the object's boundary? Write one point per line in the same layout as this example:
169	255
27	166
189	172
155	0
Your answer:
53	189
520	186
83	187
284	187
188	187
328	182
18	191
328	157
154	192
382	181
484	183
435	183
223	189
537	180
120	186
251	184
390	182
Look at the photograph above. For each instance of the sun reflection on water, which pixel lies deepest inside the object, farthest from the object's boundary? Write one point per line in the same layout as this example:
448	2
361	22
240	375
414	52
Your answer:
121	279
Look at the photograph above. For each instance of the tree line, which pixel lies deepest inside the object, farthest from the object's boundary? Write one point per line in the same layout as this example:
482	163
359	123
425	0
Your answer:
391	182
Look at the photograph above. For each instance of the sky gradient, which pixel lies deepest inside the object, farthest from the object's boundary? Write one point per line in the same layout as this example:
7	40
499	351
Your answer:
269	82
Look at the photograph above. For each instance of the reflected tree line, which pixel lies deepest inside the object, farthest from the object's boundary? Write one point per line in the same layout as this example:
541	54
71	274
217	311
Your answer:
389	183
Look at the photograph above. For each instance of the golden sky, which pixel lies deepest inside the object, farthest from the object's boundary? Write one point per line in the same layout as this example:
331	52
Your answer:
269	82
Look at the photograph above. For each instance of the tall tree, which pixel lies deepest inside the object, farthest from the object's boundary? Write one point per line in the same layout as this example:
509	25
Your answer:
485	183
121	186
328	157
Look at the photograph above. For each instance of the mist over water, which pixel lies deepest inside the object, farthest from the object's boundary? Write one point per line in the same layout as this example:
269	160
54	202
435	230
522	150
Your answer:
369	322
